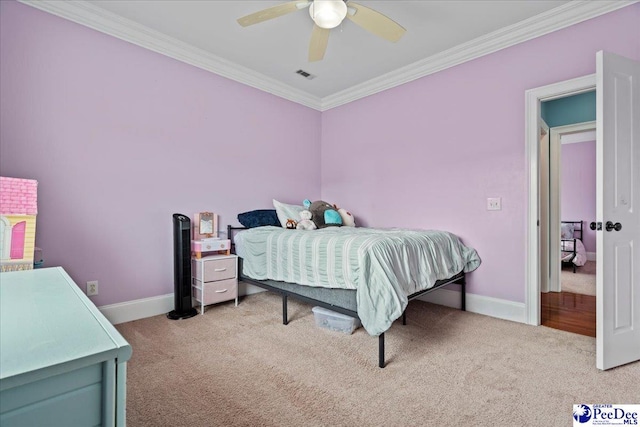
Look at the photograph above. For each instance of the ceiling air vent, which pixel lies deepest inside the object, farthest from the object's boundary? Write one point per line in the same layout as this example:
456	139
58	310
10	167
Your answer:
306	75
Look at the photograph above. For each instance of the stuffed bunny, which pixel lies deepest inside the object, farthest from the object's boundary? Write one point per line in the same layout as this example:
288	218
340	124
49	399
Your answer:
305	222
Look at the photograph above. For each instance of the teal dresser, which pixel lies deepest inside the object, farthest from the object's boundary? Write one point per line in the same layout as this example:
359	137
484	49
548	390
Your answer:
61	362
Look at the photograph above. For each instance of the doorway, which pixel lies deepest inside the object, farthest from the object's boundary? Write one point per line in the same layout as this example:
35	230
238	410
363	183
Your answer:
568	301
617	221
534	98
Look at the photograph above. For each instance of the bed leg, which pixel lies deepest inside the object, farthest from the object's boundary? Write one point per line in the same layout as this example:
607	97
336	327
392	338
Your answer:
285	320
463	291
381	350
404	317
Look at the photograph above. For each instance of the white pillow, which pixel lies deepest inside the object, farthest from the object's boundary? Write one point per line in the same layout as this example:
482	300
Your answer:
566	231
285	212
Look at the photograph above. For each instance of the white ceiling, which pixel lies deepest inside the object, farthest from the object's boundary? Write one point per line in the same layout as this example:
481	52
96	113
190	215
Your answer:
357	63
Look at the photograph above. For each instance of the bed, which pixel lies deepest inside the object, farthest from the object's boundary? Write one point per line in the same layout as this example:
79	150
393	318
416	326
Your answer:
369	274
572	250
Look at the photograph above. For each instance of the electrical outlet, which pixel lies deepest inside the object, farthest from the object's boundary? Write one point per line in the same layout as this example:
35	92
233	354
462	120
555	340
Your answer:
92	288
494	204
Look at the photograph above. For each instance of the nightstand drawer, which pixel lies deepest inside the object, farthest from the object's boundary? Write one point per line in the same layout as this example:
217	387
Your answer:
219	269
214	292
210	245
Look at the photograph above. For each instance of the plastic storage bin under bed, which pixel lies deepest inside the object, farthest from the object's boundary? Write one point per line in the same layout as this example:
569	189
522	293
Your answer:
331	320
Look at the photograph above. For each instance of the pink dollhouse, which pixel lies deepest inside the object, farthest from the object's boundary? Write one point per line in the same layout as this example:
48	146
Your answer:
18	210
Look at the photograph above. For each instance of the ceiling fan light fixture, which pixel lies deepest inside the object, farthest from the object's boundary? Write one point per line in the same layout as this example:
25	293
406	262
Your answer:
328	13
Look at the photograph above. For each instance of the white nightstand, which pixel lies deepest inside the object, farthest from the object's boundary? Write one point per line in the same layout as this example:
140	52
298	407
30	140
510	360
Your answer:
214	279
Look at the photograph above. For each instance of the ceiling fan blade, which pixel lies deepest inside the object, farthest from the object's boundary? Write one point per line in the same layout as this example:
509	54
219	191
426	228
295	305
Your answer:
318	43
375	22
273	12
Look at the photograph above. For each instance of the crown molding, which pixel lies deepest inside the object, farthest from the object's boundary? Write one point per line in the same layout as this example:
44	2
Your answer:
84	13
91	16
555	19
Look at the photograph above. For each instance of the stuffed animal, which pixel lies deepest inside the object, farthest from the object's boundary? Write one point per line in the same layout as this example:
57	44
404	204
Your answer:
305	222
347	219
291	224
323	214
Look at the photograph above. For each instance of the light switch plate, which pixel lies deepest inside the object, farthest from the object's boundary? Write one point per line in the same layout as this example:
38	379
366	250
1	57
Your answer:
494	204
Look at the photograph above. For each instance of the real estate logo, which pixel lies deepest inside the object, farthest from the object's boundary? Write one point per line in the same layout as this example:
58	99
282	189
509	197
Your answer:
581	413
605	415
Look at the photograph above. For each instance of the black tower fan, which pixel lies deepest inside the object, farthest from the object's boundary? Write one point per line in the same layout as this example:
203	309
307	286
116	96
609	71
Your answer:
182	268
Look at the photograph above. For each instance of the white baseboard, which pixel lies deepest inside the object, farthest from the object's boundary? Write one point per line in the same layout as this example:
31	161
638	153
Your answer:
154	306
494	307
591	256
137	309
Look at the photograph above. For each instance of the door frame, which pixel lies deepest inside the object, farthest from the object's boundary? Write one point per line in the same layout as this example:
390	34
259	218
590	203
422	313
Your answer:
543	207
533	98
555	186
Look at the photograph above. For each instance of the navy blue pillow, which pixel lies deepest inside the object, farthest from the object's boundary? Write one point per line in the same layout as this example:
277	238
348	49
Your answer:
259	218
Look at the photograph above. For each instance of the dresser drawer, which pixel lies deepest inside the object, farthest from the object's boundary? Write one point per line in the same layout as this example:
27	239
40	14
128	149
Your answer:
219	269
214	292
212	268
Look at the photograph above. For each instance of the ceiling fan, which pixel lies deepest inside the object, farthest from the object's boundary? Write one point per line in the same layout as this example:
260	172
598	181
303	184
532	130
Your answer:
327	14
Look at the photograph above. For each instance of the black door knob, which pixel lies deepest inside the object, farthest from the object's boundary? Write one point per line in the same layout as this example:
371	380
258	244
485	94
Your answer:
592	226
611	226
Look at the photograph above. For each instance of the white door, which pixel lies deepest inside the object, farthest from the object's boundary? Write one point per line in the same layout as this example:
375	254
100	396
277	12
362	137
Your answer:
618	206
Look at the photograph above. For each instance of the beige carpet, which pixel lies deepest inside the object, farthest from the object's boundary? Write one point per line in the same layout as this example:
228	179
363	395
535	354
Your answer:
239	366
583	281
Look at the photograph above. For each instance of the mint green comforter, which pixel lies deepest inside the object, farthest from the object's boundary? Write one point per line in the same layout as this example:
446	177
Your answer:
384	266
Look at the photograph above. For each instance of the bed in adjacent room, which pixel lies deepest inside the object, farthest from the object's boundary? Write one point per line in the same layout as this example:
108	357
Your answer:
366	273
572	250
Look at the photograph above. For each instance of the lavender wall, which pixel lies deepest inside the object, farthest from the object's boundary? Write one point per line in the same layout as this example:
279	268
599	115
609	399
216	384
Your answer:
107	127
428	153
578	187
120	138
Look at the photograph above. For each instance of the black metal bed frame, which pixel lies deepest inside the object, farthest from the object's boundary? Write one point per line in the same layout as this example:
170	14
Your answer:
285	294
577	234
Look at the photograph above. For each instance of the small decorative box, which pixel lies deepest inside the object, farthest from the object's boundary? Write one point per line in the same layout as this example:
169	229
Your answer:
210	245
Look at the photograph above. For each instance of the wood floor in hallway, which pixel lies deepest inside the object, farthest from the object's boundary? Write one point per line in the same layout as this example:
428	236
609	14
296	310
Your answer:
569	312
